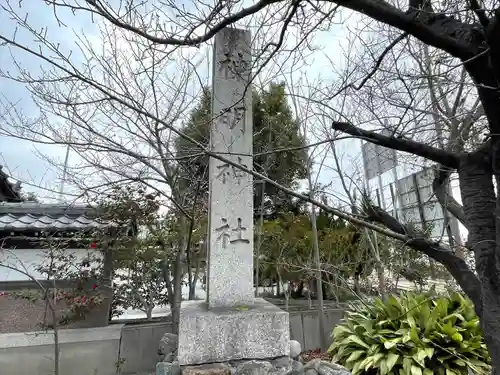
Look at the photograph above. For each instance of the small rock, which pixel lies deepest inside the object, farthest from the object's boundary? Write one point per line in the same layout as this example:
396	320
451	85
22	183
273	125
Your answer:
298	366
282	362
167	368
311	371
208	369
167	349
255	367
295	348
328	368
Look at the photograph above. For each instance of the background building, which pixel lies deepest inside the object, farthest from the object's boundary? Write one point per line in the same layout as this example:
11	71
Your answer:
405	190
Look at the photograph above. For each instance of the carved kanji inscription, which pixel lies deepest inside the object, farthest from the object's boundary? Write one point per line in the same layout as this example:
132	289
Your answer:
234	116
233	65
238	233
223	231
227	171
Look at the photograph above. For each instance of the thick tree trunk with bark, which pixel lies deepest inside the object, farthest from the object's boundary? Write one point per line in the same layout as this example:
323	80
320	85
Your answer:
490	322
480	202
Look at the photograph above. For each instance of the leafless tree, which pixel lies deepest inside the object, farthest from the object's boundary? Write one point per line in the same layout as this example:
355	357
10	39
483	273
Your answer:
312	186
406	89
111	144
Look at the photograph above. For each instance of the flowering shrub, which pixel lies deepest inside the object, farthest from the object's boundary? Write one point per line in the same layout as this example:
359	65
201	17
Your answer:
78	304
79	298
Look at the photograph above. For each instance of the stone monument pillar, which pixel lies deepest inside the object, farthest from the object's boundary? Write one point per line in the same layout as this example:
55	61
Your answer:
230	189
231	324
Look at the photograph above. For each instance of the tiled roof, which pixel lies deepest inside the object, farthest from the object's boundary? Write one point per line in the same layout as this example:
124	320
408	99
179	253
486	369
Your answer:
42	216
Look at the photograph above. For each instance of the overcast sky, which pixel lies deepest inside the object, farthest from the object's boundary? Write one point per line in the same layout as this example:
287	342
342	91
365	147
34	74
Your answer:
19	157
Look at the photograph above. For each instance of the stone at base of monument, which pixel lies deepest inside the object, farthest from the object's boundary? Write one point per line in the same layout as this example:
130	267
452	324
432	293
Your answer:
278	366
295	349
168	368
223	334
167	349
320	367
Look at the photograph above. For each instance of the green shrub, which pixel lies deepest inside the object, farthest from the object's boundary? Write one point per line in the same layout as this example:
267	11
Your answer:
411	335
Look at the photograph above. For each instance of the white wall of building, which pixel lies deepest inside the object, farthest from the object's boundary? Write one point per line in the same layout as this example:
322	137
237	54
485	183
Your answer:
27	260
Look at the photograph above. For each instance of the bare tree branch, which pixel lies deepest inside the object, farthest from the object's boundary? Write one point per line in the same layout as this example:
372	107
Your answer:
440	187
401	144
456	265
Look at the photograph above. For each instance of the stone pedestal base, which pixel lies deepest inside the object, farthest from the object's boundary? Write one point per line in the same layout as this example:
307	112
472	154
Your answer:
279	366
224	334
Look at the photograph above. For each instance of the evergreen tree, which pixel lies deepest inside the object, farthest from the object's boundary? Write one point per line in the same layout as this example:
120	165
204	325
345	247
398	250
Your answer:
274	128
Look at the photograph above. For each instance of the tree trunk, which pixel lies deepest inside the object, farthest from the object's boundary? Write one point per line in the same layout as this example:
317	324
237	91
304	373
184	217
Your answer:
259	238
311	285
309	299
55	321
287	295
191	279
108	274
175	306
337	292
173	290
378	261
381	277
319	283
432	268
300	289
356	284
192	291
192	284
478	197
325	286
490	323
149	313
